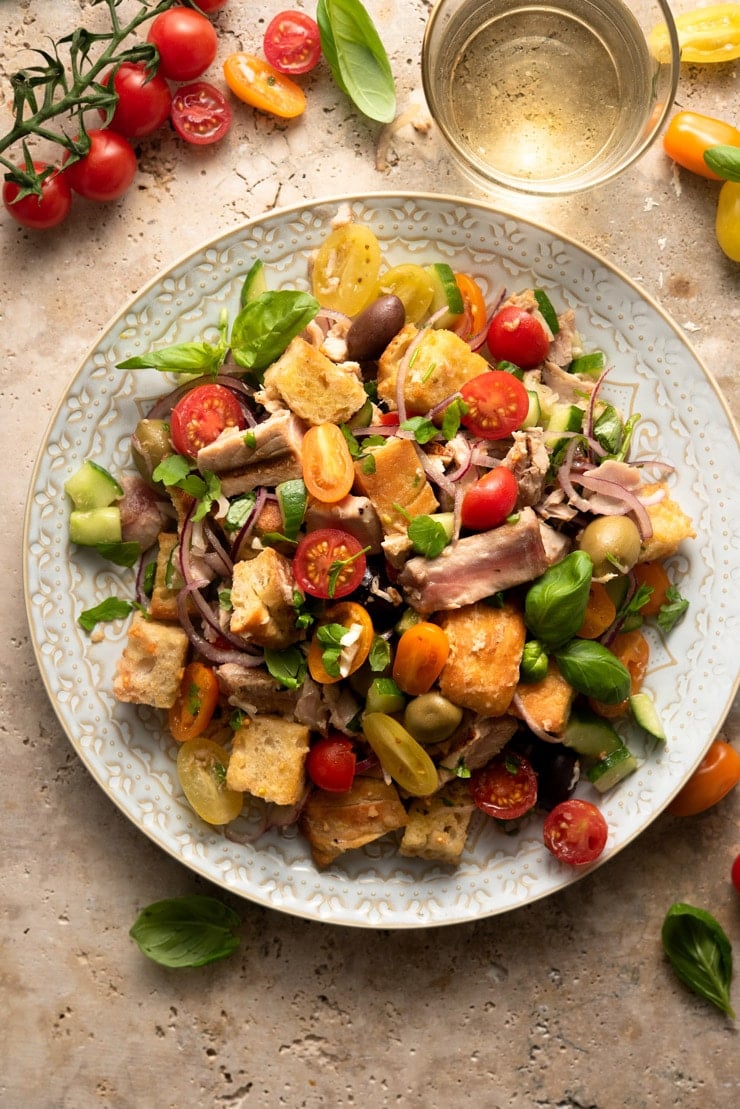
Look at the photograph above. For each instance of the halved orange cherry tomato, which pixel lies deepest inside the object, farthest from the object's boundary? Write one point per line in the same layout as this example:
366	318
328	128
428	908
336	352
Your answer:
192	711
689	135
257	83
654	575
474	317
328	469
348	614
633	651
421	654
718	773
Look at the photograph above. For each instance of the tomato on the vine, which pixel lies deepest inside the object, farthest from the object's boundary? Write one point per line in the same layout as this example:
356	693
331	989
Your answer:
200	113
106	171
292	43
329	563
331	764
515	335
717	774
201	415
505	788
186	42
144	100
40	212
497	403
328	469
575	832
262	86
489	500
689	135
195	704
210	7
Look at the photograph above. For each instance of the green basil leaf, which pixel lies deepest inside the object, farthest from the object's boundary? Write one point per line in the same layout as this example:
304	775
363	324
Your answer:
172	469
265	326
593	670
700	953
672	610
239	511
609	429
182	358
110	609
123	554
724	161
357	57
380	655
186	931
289	667
452	418
429	537
555	604
423	430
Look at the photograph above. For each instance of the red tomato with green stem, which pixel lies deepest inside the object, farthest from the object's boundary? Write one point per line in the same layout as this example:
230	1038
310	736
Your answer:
489	500
292	43
331	764
575	832
186	42
106	171
497	402
506	788
515	335
144	100
40	212
329	563
200	113
201	415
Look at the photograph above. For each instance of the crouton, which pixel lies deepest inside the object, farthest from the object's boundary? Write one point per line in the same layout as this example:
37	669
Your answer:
441	364
268	758
670	526
397	486
150	669
438	825
168	580
262	600
315	388
486	647
547	702
337	822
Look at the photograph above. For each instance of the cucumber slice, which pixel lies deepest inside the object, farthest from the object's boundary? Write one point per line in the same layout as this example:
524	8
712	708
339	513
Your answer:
563	417
446	294
534	412
292	499
255	283
613	769
593	365
646	715
92	487
95	526
590	735
547	311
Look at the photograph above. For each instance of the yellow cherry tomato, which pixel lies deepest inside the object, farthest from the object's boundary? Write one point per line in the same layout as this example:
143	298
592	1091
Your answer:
201	768
346	268
727	223
413	286
255	82
710	34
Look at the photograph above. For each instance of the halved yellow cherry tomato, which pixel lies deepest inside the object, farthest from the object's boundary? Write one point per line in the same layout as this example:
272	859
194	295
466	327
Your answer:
192	711
328	469
718	773
474	318
413	286
727	222
421	654
690	134
710	34
348	614
201	769
255	82
346	268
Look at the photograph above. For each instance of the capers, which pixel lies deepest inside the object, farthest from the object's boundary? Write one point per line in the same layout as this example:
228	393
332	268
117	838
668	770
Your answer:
612	543
150	443
430	717
371	331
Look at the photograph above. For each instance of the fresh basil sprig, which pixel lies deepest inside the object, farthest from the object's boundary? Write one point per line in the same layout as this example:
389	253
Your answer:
724	161
186	931
555	604
700	953
593	670
180	358
357	58
264	327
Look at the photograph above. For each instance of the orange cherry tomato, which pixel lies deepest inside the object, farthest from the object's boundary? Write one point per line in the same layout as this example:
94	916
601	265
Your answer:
421	654
349	614
192	711
600	612
474	317
328	469
690	134
718	773
632	649
654	575
257	83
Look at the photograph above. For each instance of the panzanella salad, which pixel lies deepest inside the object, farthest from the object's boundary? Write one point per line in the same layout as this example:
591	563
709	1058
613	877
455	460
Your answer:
394	562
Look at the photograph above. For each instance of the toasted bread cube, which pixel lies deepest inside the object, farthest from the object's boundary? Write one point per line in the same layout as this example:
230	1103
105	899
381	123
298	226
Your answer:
268	758
337	822
167	579
486	647
670	523
438	825
262	600
441	364
150	669
547	702
312	386
397	487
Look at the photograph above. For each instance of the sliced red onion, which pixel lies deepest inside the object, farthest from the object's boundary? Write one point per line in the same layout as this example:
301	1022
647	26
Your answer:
223	558
208	650
630	500
246	529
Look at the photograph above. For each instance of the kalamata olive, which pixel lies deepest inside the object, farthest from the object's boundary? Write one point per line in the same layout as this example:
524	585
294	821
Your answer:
613	544
150	443
557	768
381	601
430	717
371	331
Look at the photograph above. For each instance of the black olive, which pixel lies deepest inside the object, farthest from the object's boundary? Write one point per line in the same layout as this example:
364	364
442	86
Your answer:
378	597
557	768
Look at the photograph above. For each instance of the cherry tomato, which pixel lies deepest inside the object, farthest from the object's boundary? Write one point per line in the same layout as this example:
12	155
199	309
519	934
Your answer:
718	773
349	615
735	873
633	651
505	788
292	43
710	34
40	212
412	285
489	500
200	113
728	220
653	575
497	403
328	469
690	134
514	335
329	563
472	323
211	6
107	170
346	269
201	769
201	415
192	711
575	832
186	42
262	86
331	764
144	100
421	654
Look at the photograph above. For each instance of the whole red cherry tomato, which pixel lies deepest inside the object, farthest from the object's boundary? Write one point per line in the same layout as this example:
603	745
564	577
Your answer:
489	500
144	101
575	832
40	212
331	764
210	7
186	42
735	873
515	335
107	170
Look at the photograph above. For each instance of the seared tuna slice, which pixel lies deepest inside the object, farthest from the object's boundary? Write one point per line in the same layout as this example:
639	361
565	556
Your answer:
263	455
253	690
356	515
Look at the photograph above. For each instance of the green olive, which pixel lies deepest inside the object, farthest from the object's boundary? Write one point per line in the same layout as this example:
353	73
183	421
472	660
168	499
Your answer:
430	717
612	543
150	443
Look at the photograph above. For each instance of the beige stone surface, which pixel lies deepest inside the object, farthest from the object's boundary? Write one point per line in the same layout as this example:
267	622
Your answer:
565	1003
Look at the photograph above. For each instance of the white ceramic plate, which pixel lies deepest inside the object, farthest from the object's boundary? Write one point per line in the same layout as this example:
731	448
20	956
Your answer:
693	674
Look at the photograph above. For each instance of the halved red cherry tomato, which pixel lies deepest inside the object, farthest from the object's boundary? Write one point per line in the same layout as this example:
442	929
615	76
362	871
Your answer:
689	135
192	711
144	100
497	403
329	563
515	335
575	832
331	764
506	788
107	170
292	43
489	500
40	212
718	773
186	42
328	469
262	86
200	113
421	654
201	415
472	323
348	614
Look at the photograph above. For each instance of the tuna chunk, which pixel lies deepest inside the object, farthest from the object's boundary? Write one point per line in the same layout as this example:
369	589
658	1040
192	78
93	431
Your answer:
264	455
356	515
143	513
528	461
478	743
253	690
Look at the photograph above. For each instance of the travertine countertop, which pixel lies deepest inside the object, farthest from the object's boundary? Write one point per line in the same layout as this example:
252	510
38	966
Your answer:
567	1002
